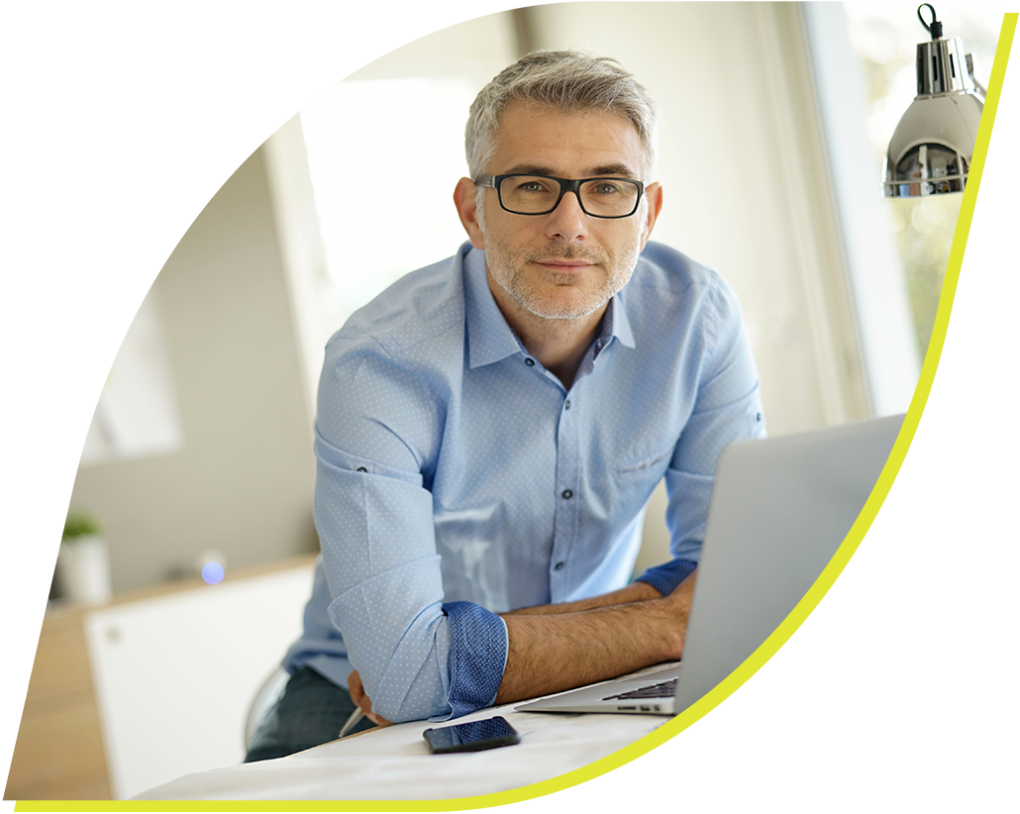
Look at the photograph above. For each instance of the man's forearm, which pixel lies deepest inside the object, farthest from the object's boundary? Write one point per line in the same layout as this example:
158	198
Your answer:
635	592
553	652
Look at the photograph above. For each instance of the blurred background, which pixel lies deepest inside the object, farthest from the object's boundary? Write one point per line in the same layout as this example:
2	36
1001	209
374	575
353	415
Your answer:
775	120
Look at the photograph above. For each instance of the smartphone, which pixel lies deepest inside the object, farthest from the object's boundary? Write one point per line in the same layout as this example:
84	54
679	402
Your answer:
472	737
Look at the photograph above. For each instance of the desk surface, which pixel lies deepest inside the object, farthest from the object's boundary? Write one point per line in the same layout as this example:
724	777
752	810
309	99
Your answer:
394	763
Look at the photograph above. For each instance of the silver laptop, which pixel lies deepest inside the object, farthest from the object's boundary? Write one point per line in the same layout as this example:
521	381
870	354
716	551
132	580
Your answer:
780	508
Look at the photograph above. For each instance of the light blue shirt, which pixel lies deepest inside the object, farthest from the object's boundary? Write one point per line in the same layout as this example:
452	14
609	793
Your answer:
457	478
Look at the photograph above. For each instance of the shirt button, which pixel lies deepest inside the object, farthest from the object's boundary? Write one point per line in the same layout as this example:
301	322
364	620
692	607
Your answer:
567	405
529	362
362	469
567	494
559	566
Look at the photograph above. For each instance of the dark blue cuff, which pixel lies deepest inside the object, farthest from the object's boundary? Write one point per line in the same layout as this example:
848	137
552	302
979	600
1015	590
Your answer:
477	656
664	578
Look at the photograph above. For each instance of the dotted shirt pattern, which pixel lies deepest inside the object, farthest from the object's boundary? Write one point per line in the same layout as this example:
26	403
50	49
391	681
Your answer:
458	479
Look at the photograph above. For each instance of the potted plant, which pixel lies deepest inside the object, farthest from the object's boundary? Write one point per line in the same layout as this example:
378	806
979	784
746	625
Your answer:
83	564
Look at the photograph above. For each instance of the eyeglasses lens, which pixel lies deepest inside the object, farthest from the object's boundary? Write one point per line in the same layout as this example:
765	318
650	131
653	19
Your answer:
600	197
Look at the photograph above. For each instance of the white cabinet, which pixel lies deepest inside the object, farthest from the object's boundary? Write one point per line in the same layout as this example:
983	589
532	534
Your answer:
173	675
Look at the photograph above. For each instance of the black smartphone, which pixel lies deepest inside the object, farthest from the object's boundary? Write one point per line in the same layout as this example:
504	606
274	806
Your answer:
472	737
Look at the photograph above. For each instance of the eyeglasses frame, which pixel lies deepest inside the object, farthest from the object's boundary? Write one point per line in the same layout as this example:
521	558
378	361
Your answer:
566	185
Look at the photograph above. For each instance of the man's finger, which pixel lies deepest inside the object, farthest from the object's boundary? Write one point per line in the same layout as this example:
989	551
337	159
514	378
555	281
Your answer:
357	693
355	688
358	696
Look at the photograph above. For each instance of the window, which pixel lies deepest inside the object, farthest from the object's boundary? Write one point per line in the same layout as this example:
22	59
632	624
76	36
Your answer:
137	412
376	148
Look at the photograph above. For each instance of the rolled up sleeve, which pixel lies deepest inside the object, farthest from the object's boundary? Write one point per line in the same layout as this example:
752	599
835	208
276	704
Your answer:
416	657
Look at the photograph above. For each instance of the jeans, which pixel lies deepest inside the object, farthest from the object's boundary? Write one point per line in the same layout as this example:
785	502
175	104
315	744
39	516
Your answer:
309	713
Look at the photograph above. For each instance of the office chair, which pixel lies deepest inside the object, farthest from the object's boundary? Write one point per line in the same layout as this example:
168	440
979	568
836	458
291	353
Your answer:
267	695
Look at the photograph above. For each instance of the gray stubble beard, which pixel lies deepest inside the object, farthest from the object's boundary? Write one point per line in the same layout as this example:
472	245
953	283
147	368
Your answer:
508	270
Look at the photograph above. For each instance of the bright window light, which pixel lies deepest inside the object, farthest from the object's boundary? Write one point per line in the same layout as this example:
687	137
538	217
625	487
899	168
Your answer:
384	157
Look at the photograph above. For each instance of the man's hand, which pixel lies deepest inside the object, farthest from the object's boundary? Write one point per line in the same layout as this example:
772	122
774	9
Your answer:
358	696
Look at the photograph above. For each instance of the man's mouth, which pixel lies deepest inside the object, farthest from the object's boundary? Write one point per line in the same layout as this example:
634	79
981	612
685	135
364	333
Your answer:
565	266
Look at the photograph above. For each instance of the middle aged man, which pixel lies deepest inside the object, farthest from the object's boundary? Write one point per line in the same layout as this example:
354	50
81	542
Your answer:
490	428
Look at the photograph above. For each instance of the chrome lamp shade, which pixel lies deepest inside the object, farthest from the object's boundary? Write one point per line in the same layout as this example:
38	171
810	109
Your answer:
931	150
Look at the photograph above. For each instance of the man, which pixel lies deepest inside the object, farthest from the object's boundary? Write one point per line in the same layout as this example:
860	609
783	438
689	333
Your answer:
490	428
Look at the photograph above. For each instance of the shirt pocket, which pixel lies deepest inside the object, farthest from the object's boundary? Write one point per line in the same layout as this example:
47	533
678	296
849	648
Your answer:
634	480
646	465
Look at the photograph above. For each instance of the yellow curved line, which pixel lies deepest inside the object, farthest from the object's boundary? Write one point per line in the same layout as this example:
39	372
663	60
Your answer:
767	649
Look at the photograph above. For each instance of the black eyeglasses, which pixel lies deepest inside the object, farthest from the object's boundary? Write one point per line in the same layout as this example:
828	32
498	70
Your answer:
541	194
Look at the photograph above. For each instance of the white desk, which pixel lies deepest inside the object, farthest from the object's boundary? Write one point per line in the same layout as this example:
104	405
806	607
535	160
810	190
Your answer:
394	763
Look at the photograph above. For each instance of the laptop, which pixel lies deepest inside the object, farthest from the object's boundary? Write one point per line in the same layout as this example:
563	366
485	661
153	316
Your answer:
780	508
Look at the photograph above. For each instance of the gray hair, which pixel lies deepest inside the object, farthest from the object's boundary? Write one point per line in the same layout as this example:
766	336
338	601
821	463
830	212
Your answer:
567	81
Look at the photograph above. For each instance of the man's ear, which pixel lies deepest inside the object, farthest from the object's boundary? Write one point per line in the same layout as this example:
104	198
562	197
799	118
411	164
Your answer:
653	194
464	199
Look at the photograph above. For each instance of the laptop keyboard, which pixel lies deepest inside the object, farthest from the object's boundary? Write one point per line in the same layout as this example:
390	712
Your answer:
667	689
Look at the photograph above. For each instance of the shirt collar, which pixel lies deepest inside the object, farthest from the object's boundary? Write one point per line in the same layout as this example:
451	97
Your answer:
615	323
491	339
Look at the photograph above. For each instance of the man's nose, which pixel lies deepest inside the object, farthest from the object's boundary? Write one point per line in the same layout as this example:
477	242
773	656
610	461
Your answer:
568	221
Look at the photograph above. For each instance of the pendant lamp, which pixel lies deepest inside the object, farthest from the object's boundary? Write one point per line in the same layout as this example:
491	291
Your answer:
930	151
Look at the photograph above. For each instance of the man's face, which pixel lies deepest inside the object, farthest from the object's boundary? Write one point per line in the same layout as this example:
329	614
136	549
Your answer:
566	264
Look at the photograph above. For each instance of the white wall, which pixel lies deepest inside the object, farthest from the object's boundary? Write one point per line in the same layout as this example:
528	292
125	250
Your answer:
242	482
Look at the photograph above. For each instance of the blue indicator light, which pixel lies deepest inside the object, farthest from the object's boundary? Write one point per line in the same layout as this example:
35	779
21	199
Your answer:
212	572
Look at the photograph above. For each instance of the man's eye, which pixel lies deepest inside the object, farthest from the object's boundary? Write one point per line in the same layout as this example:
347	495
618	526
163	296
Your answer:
532	186
606	188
